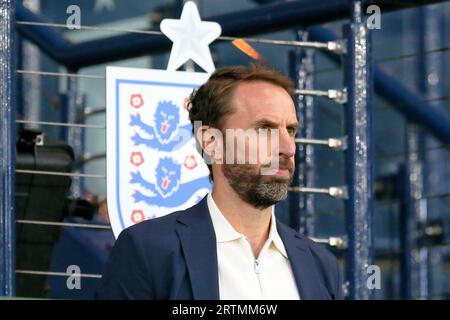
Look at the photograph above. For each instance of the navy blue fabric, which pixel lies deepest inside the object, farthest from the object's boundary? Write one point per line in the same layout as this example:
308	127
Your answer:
175	257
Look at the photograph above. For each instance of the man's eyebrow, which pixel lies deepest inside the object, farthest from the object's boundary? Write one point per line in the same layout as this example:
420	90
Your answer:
294	125
265	123
271	124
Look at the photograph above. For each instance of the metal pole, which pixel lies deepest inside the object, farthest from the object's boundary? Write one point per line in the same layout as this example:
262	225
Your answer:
75	134
409	179
30	93
407	232
436	175
359	154
425	173
416	211
302	204
294	197
7	147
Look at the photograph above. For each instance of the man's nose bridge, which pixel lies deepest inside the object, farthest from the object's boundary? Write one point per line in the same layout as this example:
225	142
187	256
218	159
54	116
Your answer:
286	143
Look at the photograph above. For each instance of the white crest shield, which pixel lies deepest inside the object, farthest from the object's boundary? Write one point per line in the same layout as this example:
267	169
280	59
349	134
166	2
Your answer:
153	167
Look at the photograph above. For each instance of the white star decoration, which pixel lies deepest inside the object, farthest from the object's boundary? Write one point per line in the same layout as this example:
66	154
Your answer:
191	38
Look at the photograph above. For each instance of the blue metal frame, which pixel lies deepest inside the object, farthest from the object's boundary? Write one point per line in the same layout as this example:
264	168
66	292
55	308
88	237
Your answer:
278	16
359	154
407	230
432	69
268	18
75	134
411	211
295	213
7	147
403	99
301	205
424	173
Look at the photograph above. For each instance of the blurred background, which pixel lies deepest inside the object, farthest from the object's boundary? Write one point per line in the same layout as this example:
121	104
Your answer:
411	208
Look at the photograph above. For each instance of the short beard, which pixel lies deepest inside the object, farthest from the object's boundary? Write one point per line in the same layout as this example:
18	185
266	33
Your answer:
260	191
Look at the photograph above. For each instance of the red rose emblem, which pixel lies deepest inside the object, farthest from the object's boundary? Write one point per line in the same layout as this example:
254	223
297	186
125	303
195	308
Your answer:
136	100
136	158
190	162
137	216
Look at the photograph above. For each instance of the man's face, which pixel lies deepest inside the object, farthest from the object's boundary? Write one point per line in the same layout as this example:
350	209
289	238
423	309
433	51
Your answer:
261	106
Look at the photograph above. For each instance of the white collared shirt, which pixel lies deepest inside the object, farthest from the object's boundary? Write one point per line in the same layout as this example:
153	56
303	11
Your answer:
241	275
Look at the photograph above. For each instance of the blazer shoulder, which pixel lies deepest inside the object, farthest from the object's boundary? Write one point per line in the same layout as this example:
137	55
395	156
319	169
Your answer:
163	228
154	230
324	256
139	259
320	250
328	265
306	242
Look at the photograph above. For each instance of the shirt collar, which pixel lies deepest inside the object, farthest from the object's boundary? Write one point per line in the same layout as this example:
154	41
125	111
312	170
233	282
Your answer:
226	232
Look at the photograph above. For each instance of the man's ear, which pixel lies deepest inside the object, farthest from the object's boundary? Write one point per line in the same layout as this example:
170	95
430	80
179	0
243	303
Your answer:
211	142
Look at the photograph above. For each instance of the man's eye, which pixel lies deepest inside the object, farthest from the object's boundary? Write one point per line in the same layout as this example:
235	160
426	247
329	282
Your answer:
292	131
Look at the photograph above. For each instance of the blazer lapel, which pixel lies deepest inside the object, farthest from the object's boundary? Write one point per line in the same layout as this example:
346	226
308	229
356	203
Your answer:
304	268
198	240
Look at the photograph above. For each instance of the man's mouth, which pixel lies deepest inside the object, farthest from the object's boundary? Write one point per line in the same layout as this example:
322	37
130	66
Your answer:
285	172
279	172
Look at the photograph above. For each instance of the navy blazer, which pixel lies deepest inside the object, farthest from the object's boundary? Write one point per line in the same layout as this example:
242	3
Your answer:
175	257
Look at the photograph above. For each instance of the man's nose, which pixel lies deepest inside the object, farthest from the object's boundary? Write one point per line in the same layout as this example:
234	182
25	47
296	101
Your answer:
286	144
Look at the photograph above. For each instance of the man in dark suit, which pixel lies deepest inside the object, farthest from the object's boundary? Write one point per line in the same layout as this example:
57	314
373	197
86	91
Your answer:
230	245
